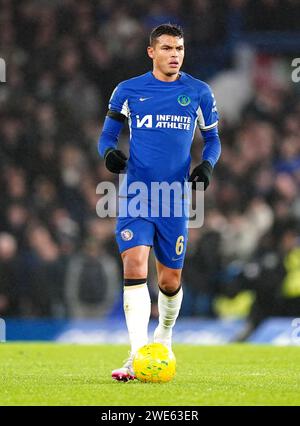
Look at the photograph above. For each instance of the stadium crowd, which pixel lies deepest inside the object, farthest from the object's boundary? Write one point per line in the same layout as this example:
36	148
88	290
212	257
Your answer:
57	258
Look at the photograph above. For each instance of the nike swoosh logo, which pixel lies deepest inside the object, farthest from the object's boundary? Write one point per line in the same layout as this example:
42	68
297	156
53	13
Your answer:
144	99
174	258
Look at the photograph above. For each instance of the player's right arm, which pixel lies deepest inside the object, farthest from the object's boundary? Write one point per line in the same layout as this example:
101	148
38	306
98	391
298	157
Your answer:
115	159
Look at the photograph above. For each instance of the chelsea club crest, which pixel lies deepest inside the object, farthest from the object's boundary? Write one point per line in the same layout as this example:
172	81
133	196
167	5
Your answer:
184	100
127	235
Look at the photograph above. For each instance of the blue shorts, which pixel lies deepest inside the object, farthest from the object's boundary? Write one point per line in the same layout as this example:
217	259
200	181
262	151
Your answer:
167	235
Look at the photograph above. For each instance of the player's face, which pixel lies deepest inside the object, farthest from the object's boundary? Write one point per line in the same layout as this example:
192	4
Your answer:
167	54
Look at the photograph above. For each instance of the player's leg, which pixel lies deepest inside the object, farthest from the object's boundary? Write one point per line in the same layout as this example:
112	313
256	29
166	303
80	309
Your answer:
137	303
169	246
135	239
169	302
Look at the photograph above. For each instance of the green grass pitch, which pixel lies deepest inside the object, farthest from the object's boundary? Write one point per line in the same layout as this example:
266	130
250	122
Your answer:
58	374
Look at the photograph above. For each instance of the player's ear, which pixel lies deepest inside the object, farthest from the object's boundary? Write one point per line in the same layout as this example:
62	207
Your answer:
150	52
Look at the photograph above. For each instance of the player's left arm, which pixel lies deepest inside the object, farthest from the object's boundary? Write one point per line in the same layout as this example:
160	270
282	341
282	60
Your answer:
208	123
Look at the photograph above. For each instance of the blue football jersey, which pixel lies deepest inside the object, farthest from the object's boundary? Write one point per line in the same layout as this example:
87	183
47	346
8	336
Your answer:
162	118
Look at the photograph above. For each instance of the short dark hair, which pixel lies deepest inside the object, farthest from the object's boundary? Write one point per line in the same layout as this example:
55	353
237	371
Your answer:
168	29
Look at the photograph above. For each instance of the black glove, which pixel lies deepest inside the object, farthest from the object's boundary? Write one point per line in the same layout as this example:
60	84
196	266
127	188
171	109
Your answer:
115	160
201	173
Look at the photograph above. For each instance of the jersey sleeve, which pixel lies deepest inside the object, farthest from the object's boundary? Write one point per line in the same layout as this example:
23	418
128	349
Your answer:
109	135
119	101
207	111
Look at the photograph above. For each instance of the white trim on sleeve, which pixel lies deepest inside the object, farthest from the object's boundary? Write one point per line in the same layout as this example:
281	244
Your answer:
125	109
211	126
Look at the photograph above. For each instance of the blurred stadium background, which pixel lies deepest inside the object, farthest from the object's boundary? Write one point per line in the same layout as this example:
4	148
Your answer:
60	272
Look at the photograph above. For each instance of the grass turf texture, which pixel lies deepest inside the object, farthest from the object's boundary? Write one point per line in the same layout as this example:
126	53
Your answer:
57	374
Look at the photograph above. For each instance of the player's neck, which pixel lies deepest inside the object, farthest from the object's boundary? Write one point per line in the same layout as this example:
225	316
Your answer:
163	77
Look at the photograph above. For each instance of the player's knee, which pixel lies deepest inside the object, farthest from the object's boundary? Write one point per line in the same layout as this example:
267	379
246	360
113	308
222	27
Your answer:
169	282
169	288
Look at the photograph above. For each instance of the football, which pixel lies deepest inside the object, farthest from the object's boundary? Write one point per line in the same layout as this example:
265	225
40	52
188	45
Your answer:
154	363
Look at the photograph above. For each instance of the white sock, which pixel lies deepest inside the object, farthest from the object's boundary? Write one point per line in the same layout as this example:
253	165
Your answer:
168	308
137	307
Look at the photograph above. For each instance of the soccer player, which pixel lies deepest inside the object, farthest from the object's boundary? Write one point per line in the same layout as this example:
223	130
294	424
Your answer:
163	108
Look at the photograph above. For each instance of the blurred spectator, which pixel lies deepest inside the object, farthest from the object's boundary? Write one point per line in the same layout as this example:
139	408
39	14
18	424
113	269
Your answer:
8	275
202	266
92	282
43	279
273	275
